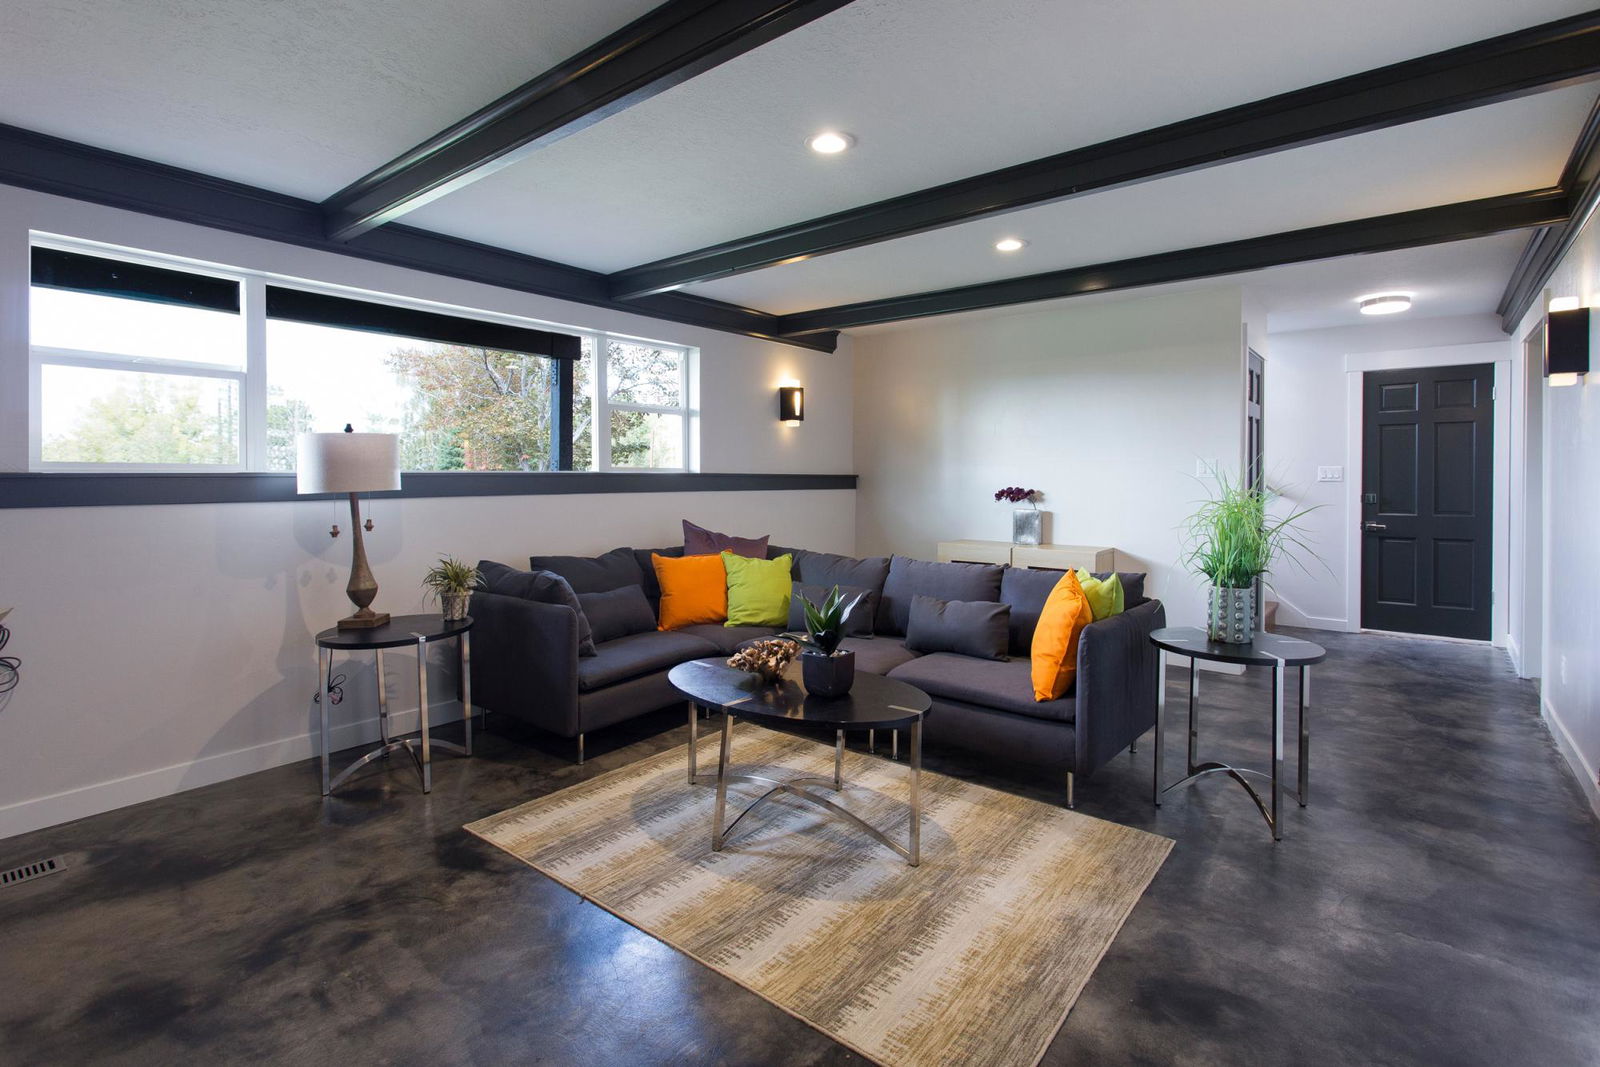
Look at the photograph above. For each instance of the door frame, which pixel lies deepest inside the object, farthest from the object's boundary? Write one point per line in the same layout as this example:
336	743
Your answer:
1502	355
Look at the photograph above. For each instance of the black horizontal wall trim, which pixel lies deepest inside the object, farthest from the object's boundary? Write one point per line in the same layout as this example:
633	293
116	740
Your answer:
1581	180
1409	229
1501	68
663	48
321	309
73	490
66	168
79	273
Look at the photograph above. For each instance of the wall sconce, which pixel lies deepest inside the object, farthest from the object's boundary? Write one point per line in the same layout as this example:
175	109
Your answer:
1566	346
791	405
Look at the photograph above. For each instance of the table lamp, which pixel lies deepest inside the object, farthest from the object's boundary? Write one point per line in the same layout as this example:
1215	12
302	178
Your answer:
351	463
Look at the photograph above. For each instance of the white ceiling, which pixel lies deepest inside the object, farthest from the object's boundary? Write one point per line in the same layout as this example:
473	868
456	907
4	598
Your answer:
304	96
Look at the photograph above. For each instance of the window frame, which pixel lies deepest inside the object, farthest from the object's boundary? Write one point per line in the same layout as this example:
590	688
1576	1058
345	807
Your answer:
603	406
251	375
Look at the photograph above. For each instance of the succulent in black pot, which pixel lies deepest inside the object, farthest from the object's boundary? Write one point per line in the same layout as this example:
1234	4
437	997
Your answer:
825	670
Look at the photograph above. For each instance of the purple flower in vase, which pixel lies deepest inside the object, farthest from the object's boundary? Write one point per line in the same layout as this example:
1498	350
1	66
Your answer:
1016	495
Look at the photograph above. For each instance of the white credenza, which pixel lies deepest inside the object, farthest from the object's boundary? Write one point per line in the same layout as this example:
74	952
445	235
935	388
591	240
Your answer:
1094	558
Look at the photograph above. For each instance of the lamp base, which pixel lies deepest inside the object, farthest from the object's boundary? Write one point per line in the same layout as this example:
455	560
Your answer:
365	619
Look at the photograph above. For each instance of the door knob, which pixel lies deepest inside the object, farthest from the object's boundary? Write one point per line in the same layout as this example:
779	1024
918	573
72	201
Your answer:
1373	527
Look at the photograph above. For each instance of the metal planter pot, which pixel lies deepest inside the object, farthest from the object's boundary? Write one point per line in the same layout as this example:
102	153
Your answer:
454	605
1027	526
1231	615
828	676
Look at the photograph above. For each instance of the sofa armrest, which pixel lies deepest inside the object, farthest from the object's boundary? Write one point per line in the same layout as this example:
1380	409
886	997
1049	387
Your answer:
525	660
1116	688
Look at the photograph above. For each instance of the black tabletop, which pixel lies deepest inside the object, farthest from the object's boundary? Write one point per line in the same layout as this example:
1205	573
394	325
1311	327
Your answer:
1263	651
398	631
873	701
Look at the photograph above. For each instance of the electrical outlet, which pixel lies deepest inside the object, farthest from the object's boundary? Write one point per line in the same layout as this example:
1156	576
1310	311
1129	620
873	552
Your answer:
1330	474
1204	468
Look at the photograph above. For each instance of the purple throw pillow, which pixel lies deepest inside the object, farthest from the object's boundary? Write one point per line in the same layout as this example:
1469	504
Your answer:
699	541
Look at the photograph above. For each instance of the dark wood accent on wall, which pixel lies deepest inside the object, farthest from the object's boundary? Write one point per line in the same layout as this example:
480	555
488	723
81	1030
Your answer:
1501	68
65	168
1580	178
1408	229
71	490
667	46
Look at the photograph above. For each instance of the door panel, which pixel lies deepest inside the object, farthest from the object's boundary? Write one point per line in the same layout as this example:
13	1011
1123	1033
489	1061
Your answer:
1427	471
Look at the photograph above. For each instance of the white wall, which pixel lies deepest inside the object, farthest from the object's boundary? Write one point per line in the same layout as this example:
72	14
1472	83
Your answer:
1105	406
1313	414
167	647
1570	649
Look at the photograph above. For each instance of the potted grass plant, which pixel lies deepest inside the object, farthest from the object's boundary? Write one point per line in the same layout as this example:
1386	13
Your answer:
451	582
824	668
1234	540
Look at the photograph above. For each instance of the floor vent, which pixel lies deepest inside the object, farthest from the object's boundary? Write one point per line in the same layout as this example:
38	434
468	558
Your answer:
29	871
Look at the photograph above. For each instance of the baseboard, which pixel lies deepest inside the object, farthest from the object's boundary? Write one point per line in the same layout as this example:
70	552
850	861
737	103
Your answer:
57	808
1569	751
1289	615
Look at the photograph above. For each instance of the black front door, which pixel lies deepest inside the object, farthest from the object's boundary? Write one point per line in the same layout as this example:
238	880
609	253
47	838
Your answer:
1427	486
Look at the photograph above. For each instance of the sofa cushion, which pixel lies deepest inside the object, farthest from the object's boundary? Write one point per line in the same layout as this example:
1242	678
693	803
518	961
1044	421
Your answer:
857	624
637	655
652	588
1105	594
545	587
617	613
699	541
1006	685
828	570
942	581
693	589
594	574
978	628
759	590
1132	587
727	639
1027	589
877	655
1055	642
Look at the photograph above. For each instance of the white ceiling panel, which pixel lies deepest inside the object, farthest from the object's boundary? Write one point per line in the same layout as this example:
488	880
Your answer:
298	96
1504	148
1460	278
935	90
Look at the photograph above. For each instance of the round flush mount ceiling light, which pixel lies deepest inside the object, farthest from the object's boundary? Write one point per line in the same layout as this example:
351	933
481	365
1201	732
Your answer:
1010	244
829	142
1384	303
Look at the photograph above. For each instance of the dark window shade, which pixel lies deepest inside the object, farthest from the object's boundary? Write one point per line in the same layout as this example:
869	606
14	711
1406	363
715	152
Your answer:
79	273
323	310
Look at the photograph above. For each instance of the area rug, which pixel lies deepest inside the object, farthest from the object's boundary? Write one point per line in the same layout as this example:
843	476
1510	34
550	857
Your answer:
974	957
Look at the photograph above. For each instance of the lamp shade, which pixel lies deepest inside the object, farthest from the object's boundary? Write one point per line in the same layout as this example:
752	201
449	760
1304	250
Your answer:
791	404
347	462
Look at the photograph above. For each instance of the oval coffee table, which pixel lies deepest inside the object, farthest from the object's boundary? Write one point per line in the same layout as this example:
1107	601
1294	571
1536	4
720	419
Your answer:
873	703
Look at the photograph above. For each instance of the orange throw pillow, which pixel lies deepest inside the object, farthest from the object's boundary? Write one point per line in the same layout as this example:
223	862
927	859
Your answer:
694	589
1055	641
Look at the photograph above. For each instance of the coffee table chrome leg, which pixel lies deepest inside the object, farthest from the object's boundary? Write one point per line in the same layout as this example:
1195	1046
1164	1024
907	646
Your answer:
915	849
1277	747
465	645
1161	715
694	738
894	745
383	704
324	665
722	782
872	741
422	711
838	761
1305	736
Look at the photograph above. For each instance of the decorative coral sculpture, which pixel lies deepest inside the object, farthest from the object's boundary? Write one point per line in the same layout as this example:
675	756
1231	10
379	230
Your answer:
765	659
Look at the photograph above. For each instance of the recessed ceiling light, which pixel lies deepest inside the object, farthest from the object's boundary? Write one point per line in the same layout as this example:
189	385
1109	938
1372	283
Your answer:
1565	303
1010	244
1384	303
829	142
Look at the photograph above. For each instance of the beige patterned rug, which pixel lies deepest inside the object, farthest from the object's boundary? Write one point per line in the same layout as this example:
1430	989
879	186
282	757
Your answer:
975	957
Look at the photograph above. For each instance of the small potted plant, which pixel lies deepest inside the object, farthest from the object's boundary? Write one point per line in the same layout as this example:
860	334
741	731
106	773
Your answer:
451	582
1027	524
1234	541
825	670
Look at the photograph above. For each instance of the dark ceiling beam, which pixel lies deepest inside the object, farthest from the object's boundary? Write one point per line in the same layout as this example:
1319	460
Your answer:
667	46
1408	229
1581	180
65	168
1501	68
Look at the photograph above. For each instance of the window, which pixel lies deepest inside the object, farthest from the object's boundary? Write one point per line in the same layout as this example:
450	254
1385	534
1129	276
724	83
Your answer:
135	364
151	367
644	392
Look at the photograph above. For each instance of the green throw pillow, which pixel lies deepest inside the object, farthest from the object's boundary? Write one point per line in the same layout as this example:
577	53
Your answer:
1105	597
758	590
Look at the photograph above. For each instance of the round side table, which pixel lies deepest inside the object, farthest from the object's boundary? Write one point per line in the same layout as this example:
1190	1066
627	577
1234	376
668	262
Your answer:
1266	650
402	631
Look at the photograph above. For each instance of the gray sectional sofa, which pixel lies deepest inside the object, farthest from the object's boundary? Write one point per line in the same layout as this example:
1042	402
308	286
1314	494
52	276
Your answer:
533	659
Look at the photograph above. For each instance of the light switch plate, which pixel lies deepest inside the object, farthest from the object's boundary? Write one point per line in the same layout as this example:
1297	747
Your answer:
1330	474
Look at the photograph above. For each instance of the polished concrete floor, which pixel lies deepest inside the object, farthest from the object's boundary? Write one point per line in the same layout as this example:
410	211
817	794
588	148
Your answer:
1438	903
